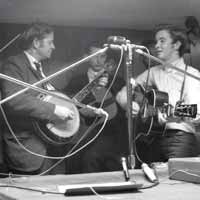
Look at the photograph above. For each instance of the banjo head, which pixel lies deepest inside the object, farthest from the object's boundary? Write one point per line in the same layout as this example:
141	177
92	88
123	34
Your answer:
62	133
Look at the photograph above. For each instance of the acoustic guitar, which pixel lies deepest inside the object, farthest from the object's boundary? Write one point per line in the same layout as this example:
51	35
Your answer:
93	95
156	104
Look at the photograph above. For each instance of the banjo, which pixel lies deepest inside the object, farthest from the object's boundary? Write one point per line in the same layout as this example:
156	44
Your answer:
62	133
68	131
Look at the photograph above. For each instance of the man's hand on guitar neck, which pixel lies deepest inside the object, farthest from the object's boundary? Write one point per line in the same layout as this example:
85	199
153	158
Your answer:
121	98
135	108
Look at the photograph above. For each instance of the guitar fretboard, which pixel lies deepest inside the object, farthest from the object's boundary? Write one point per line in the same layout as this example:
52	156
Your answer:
87	89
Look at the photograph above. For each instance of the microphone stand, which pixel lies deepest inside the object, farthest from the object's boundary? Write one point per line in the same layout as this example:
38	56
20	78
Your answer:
121	42
65	68
47	92
139	51
10	42
131	134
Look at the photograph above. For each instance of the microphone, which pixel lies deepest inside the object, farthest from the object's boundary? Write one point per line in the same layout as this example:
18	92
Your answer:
98	111
113	46
114	42
135	46
149	172
125	169
139	51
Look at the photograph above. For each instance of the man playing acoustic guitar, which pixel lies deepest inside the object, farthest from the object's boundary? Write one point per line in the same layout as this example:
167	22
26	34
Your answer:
178	139
104	153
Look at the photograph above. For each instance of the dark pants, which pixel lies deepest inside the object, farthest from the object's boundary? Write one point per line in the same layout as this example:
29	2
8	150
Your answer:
173	144
179	144
104	154
47	164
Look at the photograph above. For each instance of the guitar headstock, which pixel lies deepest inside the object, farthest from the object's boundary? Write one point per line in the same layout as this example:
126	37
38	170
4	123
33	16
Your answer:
185	110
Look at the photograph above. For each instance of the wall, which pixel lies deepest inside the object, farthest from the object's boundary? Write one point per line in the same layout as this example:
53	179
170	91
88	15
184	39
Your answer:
71	43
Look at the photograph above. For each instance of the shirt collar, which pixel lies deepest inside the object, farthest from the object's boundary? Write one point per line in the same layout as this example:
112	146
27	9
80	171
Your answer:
179	63
31	59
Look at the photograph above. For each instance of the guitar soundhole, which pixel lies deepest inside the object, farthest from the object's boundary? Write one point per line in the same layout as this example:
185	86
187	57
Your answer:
154	100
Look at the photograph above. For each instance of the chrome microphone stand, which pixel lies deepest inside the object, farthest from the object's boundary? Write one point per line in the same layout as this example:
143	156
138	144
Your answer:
129	73
63	69
121	42
139	51
9	43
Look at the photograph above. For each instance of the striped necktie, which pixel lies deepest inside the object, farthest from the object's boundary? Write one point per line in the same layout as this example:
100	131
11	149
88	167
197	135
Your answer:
39	68
45	85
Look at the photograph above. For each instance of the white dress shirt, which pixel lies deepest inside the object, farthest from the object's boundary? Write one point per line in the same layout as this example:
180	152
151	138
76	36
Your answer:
32	61
59	110
170	81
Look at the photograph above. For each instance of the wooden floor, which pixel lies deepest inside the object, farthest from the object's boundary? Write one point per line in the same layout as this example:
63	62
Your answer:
166	190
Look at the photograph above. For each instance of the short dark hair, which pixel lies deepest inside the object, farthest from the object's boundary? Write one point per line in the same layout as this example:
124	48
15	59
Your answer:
177	34
193	29
148	43
192	25
36	30
93	43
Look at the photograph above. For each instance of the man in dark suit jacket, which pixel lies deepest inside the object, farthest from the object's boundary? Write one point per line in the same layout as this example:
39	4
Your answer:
22	142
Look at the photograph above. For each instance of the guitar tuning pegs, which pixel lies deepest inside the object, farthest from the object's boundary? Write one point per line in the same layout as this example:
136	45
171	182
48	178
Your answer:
185	110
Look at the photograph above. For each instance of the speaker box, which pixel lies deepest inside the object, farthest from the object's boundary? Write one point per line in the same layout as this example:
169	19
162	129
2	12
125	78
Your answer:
184	169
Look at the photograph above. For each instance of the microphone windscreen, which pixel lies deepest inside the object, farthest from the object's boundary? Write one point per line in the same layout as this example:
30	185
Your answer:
116	40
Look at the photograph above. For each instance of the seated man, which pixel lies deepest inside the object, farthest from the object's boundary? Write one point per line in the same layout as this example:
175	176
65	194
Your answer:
178	139
104	153
25	149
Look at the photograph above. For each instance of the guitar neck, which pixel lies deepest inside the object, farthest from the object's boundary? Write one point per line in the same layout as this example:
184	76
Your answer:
84	92
182	110
87	89
186	110
150	111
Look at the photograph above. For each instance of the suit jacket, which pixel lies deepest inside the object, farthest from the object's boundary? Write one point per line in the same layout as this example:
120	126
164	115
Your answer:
21	111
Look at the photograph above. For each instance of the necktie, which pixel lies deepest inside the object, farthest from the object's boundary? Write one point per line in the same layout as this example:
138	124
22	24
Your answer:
45	85
39	68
